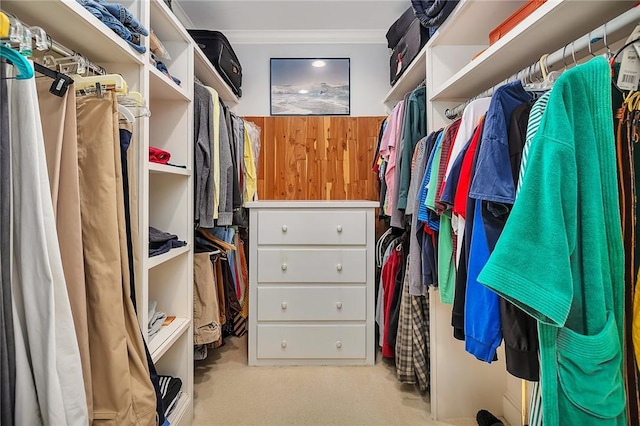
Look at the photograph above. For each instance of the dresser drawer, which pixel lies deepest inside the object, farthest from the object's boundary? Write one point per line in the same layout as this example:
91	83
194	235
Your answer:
312	303
311	341
304	265
317	227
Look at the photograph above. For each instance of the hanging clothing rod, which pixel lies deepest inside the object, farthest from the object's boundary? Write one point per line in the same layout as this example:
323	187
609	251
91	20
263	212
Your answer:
44	42
561	57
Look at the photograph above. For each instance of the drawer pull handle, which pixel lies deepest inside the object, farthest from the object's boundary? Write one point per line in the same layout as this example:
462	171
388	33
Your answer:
339	266
338	344
284	228
339	228
283	305
284	267
339	305
283	344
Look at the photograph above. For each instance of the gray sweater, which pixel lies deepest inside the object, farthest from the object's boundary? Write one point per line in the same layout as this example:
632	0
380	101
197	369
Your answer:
203	140
225	208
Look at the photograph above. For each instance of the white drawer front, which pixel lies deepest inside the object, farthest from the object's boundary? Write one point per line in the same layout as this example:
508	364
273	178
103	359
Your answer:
317	227
312	265
312	303
311	341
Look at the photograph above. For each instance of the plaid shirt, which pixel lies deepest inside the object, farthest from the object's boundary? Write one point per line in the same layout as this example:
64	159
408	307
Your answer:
412	342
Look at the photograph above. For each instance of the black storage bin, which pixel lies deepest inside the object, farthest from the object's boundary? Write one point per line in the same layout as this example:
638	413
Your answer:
407	49
219	51
399	28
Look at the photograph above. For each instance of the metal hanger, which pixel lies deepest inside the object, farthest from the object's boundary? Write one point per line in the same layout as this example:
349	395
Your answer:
589	45
606	43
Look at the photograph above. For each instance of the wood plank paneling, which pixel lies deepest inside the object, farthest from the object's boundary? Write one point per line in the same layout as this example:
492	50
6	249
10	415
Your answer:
317	158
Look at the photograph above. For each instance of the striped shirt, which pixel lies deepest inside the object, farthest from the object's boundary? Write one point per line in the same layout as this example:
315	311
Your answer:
535	117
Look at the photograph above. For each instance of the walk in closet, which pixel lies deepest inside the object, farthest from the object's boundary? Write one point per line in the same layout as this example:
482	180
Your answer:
184	251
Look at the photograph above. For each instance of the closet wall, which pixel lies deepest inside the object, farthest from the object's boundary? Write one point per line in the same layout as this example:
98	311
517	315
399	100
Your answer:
317	158
369	80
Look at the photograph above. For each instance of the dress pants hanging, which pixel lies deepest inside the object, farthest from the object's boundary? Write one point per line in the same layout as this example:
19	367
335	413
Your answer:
48	366
125	395
59	127
206	310
7	346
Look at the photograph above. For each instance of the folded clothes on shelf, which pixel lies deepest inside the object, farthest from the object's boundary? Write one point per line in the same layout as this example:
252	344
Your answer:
157	155
156	319
119	19
161	242
164	70
171	390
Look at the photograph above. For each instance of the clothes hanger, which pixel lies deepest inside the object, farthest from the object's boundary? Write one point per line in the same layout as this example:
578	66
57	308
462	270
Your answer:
134	100
612	61
61	82
109	82
606	43
21	63
549	77
5	25
589	45
126	113
224	246
15	32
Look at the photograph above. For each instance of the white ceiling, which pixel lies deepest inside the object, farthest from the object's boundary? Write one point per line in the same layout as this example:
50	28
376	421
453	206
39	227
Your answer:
295	20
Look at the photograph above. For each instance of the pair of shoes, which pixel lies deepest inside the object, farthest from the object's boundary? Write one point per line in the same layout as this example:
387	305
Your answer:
485	418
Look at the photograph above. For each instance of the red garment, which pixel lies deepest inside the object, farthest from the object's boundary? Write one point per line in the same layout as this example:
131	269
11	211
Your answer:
156	155
389	271
464	182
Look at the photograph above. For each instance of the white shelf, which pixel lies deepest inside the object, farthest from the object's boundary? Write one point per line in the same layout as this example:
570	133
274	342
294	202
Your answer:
412	77
165	24
163	88
209	76
477	19
166	337
181	409
68	23
171	254
544	31
170	170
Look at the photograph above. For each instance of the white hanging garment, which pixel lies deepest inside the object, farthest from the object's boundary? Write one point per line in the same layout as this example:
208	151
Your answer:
48	373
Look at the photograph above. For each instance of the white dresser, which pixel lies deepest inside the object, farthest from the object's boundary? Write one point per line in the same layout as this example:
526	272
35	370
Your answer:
311	282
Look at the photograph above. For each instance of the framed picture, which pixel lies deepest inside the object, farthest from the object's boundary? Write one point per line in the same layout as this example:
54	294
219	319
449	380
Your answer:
304	86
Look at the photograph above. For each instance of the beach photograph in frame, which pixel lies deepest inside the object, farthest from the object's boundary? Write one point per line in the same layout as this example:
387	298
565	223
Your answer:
310	86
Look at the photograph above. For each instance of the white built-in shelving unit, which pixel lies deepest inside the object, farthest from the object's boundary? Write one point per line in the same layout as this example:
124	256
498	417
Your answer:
458	64
165	193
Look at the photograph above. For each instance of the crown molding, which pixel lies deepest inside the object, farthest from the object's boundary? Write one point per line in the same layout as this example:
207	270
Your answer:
306	36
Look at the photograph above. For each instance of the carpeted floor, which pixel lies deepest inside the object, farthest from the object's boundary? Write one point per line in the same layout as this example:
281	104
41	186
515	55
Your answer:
229	392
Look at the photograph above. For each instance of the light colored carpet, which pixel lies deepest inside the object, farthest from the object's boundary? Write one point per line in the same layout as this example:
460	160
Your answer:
229	392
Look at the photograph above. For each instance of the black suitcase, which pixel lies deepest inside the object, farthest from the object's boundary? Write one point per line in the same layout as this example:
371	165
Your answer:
219	51
407	49
400	27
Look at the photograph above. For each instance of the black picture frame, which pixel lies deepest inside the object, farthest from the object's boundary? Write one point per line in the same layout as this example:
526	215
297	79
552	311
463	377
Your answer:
310	86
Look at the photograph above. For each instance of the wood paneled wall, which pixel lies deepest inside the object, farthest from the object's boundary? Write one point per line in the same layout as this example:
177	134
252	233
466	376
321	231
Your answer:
317	158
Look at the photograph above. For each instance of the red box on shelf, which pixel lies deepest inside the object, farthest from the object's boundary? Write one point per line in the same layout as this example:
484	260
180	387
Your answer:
513	20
